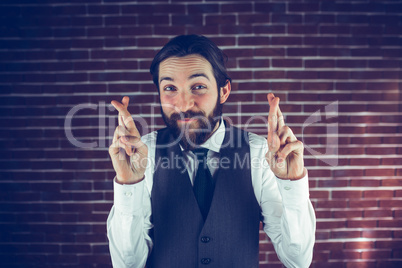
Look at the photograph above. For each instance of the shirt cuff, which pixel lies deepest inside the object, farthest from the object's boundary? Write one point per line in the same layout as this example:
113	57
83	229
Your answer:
293	190
128	197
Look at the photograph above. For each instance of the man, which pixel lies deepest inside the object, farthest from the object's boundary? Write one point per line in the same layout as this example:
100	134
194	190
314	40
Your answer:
193	194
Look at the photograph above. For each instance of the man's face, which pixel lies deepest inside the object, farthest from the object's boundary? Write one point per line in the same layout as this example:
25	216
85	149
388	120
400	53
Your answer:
189	98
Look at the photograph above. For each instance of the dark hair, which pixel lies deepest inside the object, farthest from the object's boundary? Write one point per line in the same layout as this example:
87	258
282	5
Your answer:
184	45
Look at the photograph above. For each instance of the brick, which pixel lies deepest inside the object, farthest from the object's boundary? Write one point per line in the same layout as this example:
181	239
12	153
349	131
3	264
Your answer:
367	233
350	86
254	18
269	74
377	213
390	203
363	204
351	63
290	18
362	223
286	40
219	19
234	7
235	29
329	245
390	223
75	248
89	65
380	151
203	8
238	52
120	20
254	63
365	161
269	52
103	9
334	52
120	42
394	244
319	41
379	172
319	173
185	20
267	29
270	7
378	193
284	63
352	41
359	264
319	64
338	75
286	86
343	254
335	29
244	41
332	204
365	119
391	53
391	182
365	183
347	214
382	86
322	214
302	29
348	173
347	194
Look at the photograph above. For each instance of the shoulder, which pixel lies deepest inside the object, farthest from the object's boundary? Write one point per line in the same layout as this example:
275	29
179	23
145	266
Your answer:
257	143
256	139
150	138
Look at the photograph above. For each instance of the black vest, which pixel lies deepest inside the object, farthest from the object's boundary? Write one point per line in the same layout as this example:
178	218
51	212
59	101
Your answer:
229	236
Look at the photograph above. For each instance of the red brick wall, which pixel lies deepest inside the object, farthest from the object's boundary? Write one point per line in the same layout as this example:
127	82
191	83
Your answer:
341	58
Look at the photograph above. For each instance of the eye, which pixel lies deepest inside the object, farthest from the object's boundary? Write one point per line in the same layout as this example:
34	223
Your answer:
169	88
199	87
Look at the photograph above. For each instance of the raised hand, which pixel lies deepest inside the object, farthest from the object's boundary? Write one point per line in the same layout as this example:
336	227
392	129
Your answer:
129	154
285	152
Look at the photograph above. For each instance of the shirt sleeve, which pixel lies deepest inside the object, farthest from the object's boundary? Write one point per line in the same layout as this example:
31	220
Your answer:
293	232
287	213
129	221
128	225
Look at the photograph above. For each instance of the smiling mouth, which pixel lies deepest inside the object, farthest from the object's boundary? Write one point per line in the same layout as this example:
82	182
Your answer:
186	120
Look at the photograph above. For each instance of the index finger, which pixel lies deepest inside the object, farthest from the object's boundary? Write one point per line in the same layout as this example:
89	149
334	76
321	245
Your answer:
125	118
274	111
122	107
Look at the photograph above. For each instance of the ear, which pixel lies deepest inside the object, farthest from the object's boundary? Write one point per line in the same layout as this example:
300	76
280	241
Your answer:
225	91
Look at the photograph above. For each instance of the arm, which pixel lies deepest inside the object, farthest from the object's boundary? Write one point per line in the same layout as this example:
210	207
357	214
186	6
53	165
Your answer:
288	218
128	223
128	226
290	222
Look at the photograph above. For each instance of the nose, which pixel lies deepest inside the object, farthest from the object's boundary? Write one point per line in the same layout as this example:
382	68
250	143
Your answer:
184	102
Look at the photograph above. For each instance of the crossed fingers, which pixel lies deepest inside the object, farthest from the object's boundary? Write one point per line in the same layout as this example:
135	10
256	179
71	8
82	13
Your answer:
126	136
282	143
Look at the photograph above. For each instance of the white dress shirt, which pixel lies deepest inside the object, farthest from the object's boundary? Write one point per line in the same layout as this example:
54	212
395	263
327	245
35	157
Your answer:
288	216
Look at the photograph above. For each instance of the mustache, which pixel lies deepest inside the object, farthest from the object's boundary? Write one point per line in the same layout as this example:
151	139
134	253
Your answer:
187	114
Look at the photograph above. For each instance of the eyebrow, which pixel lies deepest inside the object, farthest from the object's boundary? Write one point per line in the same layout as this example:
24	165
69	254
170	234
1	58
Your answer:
198	75
167	78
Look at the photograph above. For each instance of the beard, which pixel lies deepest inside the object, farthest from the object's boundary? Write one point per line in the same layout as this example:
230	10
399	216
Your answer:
193	134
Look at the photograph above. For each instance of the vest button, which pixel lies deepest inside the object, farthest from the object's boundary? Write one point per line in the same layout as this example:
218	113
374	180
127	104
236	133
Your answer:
205	239
205	260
